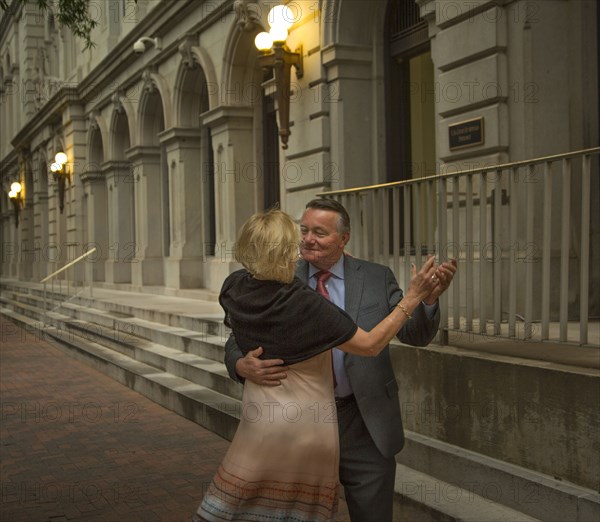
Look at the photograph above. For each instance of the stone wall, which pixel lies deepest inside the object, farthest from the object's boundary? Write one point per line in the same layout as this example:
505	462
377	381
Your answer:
538	415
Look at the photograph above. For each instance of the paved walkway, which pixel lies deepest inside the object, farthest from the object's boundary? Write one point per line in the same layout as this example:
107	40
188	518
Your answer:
75	445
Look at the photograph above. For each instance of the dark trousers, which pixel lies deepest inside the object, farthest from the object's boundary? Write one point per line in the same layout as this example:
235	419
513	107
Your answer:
366	475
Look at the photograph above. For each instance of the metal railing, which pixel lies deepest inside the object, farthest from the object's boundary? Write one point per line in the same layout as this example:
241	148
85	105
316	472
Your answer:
520	232
53	275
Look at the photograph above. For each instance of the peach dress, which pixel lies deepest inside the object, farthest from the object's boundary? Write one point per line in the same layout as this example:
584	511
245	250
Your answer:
283	461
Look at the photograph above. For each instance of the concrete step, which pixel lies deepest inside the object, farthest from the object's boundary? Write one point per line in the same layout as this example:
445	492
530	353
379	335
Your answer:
117	335
531	493
205	317
194	368
215	411
423	498
203	344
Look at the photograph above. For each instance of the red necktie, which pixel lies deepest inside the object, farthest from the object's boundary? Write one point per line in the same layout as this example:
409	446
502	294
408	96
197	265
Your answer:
322	278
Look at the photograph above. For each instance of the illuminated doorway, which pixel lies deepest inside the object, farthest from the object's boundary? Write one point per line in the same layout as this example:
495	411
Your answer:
410	106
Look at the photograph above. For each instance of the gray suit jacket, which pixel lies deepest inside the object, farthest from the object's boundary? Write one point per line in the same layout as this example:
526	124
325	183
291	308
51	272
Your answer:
371	293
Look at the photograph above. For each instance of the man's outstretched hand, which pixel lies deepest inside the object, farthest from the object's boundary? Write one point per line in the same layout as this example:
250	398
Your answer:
266	372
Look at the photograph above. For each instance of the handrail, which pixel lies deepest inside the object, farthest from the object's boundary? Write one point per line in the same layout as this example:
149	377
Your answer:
501	166
68	265
513	241
59	271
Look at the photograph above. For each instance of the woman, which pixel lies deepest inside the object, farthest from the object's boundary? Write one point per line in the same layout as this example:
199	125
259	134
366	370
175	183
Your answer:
283	461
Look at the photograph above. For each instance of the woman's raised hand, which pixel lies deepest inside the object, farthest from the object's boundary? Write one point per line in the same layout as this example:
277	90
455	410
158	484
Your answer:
424	281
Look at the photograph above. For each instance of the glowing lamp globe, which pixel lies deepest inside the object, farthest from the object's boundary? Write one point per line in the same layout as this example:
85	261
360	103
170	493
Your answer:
278	33
281	16
60	158
263	41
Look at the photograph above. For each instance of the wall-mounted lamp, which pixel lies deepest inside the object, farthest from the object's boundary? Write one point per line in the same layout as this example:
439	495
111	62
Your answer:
139	46
18	200
276	55
62	174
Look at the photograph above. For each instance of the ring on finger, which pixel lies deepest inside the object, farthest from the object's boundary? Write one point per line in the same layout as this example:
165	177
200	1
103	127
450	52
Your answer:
434	279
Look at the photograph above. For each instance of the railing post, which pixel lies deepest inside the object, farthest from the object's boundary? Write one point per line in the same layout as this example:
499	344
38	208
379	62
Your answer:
514	254
407	228
90	274
455	240
483	293
45	307
564	248
443	338
470	276
584	269
546	251
497	292
396	230
530	216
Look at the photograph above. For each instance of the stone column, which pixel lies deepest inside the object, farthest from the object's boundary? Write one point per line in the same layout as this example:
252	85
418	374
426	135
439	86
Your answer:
94	186
57	232
40	220
121	238
75	144
4	255
10	246
26	229
235	184
189	206
349	77
148	267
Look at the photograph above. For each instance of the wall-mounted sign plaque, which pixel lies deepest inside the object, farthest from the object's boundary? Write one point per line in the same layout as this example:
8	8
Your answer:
466	133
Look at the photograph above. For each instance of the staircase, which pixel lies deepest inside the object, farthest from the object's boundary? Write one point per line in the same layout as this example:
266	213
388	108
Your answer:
170	349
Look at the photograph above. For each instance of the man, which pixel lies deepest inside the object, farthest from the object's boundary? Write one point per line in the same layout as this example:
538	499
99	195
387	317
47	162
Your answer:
368	409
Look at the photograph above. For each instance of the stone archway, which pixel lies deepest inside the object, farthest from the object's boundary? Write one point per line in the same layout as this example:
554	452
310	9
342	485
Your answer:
27	247
236	130
40	218
152	189
354	68
96	224
191	179
119	178
58	244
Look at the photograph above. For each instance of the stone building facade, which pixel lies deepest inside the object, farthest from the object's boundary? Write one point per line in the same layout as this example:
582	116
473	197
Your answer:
171	149
170	128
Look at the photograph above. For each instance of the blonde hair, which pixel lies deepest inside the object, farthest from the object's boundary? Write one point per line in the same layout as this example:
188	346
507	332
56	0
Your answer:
267	246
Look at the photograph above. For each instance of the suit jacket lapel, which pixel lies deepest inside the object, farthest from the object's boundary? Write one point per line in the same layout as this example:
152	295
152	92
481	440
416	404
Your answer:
302	271
354	281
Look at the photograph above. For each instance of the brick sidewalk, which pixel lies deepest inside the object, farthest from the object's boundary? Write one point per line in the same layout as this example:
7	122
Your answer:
77	445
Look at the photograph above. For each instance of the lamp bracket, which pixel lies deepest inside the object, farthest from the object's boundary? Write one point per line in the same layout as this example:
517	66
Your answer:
281	60
299	64
282	54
